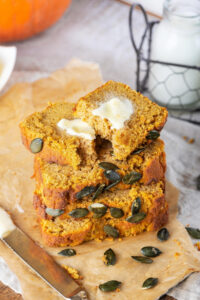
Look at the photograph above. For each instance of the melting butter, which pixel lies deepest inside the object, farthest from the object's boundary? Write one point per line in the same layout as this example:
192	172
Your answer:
78	128
116	110
6	223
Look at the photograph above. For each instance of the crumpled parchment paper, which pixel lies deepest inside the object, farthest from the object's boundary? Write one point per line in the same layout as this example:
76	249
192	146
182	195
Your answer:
179	257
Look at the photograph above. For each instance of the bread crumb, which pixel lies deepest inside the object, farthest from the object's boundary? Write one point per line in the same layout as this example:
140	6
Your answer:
176	254
72	272
189	140
197	245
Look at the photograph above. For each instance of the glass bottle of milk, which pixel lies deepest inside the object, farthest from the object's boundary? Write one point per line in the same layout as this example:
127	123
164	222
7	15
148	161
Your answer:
176	39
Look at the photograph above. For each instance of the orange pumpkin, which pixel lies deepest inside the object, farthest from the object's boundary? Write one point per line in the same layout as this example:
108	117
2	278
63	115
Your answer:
20	19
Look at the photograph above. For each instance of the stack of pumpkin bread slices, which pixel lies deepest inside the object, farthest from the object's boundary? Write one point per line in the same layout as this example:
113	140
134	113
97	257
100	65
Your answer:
99	166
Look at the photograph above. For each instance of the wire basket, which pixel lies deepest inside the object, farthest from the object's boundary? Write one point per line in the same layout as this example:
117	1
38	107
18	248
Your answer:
144	70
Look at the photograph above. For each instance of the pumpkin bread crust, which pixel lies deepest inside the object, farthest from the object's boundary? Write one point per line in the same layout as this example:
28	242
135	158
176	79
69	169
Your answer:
59	184
58	147
147	116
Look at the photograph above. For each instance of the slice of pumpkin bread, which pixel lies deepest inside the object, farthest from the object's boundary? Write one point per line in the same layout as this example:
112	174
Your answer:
60	185
42	136
122	116
114	214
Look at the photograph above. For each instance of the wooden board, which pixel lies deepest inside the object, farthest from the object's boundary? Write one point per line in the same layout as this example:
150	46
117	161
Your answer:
7	293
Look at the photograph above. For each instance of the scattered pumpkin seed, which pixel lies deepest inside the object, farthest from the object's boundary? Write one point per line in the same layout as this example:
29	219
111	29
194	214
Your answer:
136	205
198	183
143	259
79	212
68	252
150	283
137	151
54	212
99	209
150	251
109	257
108	166
132	177
136	218
109	286
112	185
193	232
163	234
98	191
86	191
116	212
111	231
36	145
112	175
153	135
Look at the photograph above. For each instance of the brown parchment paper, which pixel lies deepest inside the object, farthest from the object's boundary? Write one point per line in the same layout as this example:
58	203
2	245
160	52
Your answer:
179	257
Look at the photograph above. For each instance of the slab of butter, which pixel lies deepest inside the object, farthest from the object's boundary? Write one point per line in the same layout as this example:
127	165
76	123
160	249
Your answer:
116	110
6	223
78	128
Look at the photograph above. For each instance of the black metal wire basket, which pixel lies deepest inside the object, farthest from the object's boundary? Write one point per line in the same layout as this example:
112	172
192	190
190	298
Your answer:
145	65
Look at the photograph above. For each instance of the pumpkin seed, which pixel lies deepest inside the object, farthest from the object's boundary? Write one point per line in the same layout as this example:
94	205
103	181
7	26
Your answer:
98	191
150	251
136	218
163	234
132	177
111	231
86	191
150	283
136	205
109	257
137	151
116	212
98	209
143	259
112	185
193	232
153	135
108	166
54	212
112	175
79	212
198	183
36	145
109	286
67	252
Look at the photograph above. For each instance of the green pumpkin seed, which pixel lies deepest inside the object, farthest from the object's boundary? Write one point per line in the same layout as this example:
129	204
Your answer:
163	234
112	185
150	283
108	166
198	183
36	145
109	257
54	212
136	218
153	135
193	232
116	212
132	177
98	191
143	259
109	286
137	151
79	212
150	251
136	205
86	191
67	252
112	175
111	231
98	209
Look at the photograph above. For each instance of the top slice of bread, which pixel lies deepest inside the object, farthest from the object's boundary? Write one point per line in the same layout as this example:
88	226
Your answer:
63	149
147	116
